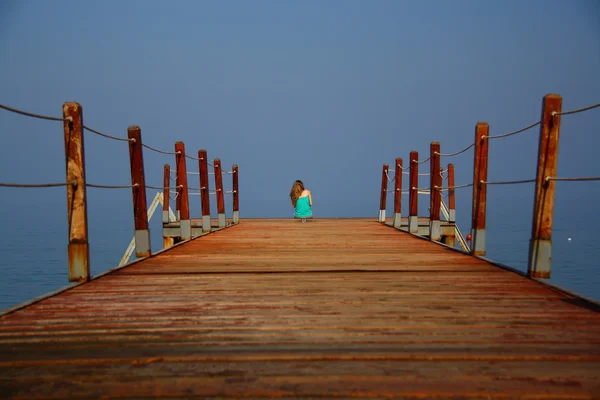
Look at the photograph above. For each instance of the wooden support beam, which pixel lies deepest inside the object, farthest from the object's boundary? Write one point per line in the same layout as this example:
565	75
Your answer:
398	194
480	165
540	245
79	252
435	184
235	189
222	221
182	192
383	194
413	200
140	212
204	189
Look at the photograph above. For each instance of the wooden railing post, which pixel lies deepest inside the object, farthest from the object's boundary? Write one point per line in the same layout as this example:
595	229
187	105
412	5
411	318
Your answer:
451	237
451	195
398	194
140	209
167	240
166	194
540	245
182	192
235	194
480	164
79	252
413	200
204	190
219	193
383	195
435	179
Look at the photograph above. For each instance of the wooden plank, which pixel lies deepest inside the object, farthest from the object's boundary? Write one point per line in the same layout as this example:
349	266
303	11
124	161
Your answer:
355	308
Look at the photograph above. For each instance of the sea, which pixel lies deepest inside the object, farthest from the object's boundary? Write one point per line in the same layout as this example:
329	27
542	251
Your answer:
34	238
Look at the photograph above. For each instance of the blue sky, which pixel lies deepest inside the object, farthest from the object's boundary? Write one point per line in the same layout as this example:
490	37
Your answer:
323	91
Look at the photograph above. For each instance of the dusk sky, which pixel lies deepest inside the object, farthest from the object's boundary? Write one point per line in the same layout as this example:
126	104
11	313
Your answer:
323	91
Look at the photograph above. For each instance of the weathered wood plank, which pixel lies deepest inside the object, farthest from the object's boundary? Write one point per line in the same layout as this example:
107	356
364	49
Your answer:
277	308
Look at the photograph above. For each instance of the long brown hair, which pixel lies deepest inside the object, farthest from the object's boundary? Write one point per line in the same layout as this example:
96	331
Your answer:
296	191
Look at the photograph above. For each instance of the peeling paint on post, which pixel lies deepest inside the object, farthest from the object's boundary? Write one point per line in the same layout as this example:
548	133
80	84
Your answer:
383	196
140	210
185	223
413	200
79	252
235	194
204	189
398	194
435	179
219	192
480	164
540	245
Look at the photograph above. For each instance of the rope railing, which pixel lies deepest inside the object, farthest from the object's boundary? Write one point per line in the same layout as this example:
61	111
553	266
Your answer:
37	185
33	115
108	136
549	126
574	179
508	182
577	110
77	200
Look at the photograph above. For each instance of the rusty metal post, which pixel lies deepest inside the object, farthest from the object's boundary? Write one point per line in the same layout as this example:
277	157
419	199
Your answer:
185	223
235	194
451	239
79	252
204	190
219	192
383	195
540	245
140	211
167	241
480	164
398	194
435	178
413	200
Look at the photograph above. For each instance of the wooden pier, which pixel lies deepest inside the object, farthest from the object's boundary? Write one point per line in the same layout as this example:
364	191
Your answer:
331	308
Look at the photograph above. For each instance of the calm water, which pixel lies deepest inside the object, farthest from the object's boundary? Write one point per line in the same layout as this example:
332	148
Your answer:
34	235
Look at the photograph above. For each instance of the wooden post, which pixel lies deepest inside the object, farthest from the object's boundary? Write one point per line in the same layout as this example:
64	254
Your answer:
451	196
413	200
451	239
204	190
383	195
480	164
167	241
219	192
435	179
398	194
79	252
540	245
235	189
140	212
166	197
185	223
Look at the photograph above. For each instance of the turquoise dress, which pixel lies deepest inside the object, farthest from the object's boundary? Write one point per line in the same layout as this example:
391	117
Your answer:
303	208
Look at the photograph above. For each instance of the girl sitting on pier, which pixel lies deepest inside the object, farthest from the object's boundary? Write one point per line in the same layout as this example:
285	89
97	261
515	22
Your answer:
301	200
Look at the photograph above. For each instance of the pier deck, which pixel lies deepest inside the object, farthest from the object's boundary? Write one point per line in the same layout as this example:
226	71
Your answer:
340	307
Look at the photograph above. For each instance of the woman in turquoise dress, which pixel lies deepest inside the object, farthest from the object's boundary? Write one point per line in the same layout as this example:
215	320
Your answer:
301	200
